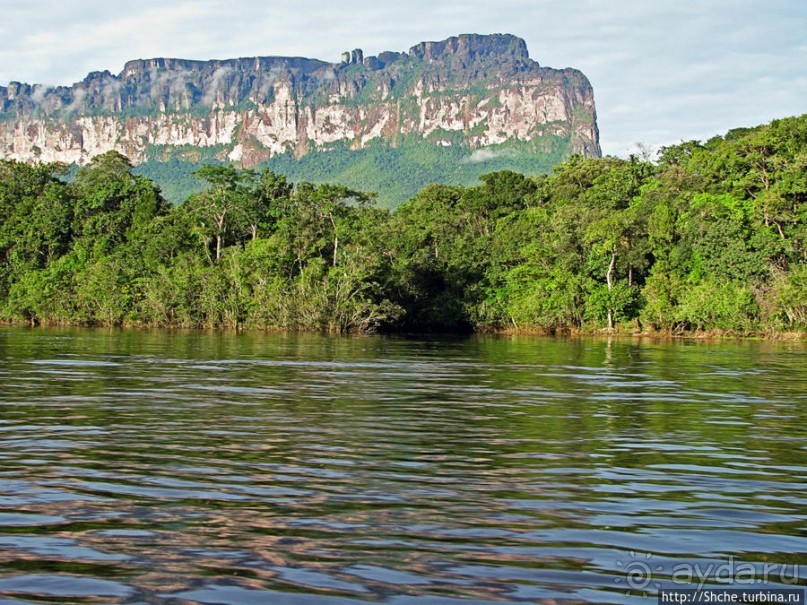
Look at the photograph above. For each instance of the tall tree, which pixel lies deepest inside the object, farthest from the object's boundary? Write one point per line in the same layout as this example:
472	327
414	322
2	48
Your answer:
219	208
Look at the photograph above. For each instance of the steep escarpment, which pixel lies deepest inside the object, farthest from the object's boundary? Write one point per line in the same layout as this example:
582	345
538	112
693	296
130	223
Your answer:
470	91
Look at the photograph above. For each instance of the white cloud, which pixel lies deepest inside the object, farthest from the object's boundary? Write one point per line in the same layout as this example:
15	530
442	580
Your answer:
78	98
211	95
484	155
481	155
38	93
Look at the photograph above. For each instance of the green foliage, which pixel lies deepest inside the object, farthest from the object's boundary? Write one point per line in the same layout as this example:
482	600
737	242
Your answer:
175	177
396	173
711	237
112	205
716	305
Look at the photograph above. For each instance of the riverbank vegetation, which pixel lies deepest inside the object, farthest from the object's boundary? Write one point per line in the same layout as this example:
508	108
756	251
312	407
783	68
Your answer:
709	237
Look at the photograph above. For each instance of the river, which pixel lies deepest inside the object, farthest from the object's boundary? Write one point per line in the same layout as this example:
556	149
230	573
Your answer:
180	467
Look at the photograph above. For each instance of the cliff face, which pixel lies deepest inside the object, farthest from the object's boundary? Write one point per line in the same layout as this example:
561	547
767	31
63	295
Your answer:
472	90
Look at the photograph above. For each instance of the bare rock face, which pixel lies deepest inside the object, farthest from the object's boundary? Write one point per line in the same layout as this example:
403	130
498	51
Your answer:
469	90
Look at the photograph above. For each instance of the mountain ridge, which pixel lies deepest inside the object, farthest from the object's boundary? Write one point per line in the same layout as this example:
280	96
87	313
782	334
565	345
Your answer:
470	91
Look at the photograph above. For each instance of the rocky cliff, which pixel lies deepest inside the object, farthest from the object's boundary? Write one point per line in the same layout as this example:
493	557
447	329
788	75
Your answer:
472	90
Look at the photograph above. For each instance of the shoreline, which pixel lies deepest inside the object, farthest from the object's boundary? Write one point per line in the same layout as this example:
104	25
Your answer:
560	333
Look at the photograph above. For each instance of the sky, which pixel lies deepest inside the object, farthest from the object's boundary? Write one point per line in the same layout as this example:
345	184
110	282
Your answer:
663	71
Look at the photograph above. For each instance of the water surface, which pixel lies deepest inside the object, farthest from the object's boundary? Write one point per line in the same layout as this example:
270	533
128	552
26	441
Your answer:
199	467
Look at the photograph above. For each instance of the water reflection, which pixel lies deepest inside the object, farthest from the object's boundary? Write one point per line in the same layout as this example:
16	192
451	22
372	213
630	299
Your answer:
185	467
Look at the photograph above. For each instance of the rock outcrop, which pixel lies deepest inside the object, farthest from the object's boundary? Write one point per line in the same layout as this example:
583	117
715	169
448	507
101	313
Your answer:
470	90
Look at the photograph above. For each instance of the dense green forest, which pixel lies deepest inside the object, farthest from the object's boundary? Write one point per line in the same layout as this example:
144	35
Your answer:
396	173
708	237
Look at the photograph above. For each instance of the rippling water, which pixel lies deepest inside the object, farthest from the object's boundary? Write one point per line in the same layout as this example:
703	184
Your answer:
184	467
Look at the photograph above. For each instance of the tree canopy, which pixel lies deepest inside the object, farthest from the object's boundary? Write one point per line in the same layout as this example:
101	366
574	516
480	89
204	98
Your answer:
711	236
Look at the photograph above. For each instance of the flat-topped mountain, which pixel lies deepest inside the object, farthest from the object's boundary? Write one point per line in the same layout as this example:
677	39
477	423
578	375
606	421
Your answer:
468	93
